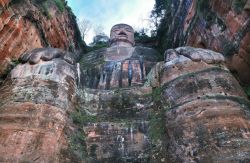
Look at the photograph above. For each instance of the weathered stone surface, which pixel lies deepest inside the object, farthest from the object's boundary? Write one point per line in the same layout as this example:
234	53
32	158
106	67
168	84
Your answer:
31	132
118	130
117	67
190	109
221	26
24	26
131	103
118	141
228	35
208	119
33	104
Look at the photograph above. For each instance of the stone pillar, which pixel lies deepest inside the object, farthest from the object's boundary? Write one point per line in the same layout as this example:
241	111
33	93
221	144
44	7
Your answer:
208	119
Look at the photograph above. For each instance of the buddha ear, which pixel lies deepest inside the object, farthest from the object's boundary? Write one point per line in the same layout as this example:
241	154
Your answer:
109	42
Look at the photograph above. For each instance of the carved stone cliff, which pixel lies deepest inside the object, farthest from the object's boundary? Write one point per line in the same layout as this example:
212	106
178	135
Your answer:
225	28
208	118
29	24
118	104
35	101
190	109
222	26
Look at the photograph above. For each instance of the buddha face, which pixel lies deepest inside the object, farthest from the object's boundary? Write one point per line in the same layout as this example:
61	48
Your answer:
122	34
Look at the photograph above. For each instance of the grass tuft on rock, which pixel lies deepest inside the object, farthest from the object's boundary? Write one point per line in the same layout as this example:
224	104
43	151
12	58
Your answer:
80	117
247	90
60	5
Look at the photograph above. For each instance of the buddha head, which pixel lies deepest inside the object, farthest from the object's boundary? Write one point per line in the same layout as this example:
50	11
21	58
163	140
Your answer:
122	35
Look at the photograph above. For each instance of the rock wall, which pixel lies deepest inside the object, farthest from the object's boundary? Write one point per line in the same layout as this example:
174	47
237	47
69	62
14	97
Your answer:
208	117
30	24
190	109
222	26
35	102
117	129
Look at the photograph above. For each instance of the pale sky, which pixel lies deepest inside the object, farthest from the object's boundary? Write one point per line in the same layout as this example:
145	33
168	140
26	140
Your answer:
110	12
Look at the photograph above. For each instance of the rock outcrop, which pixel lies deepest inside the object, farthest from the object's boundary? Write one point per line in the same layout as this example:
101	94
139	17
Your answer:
117	129
34	105
224	28
30	24
221	26
208	118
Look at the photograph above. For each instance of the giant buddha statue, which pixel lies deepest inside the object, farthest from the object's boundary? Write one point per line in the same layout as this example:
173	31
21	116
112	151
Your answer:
200	112
121	65
122	35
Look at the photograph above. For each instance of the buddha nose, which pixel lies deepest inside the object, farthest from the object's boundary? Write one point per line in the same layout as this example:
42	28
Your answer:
122	33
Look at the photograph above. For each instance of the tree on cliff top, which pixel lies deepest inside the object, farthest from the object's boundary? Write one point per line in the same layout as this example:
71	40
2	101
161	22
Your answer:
84	27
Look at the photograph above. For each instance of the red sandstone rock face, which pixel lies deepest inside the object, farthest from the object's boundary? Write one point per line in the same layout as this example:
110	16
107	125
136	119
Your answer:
206	120
33	119
4	3
231	38
31	132
208	117
119	132
23	27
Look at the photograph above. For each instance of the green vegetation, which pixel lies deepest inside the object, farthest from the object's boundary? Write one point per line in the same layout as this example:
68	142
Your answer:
161	15
157	125
247	90
39	1
157	119
229	48
77	144
156	95
15	2
77	138
142	37
157	135
122	104
157	130
44	6
60	5
45	10
170	21
80	117
238	5
97	46
13	64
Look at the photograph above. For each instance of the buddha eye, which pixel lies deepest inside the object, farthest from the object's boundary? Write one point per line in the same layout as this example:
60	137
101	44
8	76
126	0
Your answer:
128	29
116	30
